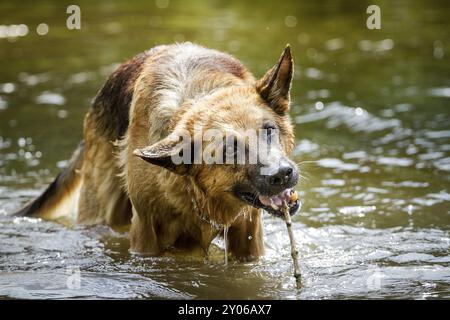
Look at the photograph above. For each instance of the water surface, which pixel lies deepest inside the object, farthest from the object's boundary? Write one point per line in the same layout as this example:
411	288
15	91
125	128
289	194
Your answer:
371	109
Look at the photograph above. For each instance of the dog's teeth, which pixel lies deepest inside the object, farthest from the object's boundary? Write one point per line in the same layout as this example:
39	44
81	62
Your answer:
293	196
273	205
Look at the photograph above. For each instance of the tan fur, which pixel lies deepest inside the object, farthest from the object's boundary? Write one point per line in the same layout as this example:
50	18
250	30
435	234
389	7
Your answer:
177	87
102	200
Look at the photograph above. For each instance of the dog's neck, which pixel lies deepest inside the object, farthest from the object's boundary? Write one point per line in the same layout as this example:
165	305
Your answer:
213	210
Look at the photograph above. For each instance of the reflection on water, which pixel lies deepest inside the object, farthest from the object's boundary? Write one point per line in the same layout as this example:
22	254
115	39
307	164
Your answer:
373	144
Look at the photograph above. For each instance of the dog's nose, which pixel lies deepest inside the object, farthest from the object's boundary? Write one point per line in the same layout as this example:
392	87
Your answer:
282	177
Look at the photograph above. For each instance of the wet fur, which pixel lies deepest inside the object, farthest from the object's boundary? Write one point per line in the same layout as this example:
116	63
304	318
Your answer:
142	102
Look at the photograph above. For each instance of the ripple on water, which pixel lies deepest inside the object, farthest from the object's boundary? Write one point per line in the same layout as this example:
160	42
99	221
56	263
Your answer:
442	164
440	92
337	164
340	261
40	256
3	103
359	211
355	119
437	134
396	162
355	155
62	284
375	220
48	97
333	182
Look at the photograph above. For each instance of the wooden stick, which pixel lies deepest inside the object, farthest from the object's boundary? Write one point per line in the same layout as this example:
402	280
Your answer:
294	252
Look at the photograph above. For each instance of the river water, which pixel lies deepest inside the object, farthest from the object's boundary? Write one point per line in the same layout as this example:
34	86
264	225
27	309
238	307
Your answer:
371	109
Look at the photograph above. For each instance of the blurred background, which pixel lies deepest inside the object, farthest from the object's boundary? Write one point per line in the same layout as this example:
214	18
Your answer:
371	109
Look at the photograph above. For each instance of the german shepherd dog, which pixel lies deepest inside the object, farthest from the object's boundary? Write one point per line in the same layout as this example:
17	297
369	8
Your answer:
123	171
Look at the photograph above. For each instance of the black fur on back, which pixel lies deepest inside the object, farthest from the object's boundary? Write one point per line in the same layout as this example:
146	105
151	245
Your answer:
111	105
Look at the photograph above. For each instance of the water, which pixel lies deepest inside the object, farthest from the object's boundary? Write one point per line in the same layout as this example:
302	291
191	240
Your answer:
373	143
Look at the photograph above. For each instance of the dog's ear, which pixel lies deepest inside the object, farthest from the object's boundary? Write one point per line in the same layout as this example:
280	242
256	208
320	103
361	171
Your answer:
274	87
167	153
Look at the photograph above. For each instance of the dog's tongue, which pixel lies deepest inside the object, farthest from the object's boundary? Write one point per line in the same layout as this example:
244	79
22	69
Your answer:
276	201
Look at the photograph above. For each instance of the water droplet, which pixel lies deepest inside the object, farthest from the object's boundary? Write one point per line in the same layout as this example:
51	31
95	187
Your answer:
359	111
8	87
62	114
290	21
21	142
319	105
22	30
42	29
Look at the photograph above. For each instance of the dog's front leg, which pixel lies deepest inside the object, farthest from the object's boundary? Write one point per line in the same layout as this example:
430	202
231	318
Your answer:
143	238
245	236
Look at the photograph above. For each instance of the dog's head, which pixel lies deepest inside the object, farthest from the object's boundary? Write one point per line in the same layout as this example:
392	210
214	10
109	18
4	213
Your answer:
235	144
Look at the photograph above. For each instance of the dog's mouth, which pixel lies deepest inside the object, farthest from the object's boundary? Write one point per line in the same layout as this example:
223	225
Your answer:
273	204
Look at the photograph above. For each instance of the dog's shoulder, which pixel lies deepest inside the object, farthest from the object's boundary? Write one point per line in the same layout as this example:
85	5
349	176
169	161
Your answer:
110	109
189	59
162	78
175	74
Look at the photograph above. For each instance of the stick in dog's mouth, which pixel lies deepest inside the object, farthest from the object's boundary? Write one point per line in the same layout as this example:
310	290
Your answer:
288	196
273	204
294	252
